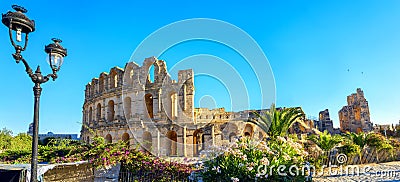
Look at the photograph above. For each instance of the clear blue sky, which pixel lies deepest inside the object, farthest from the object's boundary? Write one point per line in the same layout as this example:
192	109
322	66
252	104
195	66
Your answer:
319	51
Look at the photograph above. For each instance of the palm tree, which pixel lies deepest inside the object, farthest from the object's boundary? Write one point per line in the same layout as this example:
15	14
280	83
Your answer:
276	122
326	141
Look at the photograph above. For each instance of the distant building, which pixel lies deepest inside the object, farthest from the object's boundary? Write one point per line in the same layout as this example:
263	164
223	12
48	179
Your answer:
58	136
355	117
324	122
30	130
385	129
336	131
382	127
52	135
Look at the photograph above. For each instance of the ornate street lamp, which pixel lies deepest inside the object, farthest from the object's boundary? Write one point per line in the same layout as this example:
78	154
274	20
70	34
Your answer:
19	24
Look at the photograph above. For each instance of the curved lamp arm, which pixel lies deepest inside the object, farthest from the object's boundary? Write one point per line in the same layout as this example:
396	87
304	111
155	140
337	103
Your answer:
37	77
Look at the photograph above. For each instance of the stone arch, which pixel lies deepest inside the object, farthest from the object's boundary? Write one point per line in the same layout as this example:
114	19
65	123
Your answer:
110	111
172	139
229	129
98	112
147	139
198	142
94	86
108	138
149	104
128	107
248	131
125	138
113	76
147	66
128	74
102	81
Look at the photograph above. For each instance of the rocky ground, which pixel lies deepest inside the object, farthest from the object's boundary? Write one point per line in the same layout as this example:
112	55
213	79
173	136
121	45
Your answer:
387	172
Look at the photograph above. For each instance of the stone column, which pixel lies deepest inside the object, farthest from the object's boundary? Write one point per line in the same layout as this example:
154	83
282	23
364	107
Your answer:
158	144
184	142
184	97
159	100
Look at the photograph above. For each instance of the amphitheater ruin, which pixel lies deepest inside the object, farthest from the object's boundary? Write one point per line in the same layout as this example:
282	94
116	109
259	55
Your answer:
125	104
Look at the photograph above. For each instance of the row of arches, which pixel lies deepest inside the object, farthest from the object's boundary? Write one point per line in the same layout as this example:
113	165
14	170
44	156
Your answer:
171	140
171	106
98	114
216	116
125	137
105	82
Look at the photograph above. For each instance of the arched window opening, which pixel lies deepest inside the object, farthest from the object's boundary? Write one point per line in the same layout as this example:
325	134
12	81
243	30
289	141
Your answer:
149	104
108	138
127	108
98	112
172	143
101	84
115	81
110	111
125	138
147	141
198	142
248	130
90	119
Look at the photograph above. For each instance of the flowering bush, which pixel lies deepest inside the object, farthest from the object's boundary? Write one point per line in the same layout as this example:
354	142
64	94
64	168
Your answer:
248	160
102	155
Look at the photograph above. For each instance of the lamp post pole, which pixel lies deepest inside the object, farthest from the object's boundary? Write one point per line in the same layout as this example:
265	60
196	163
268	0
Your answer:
37	91
17	21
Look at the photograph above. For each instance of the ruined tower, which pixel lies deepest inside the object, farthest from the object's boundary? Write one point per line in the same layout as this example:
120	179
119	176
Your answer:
355	117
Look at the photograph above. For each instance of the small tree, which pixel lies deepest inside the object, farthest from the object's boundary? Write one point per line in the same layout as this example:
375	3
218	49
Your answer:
5	139
326	141
22	141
